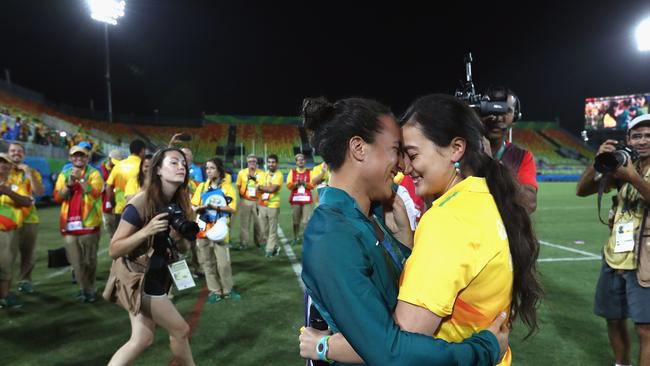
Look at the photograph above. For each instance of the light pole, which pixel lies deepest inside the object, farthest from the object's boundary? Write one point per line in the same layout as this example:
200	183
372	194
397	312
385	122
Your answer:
107	12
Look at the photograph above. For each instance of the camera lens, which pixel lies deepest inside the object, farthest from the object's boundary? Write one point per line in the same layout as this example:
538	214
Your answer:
610	161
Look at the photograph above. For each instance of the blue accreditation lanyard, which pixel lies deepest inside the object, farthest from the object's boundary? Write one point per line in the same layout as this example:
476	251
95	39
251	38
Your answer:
391	248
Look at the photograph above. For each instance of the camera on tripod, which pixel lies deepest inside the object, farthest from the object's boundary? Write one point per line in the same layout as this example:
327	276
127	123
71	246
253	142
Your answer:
608	162
480	103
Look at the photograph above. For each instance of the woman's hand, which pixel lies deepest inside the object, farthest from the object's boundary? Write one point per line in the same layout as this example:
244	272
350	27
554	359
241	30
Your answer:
157	225
501	330
397	221
309	338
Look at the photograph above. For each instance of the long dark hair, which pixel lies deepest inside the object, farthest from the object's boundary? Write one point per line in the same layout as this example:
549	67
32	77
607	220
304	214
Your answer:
153	188
219	164
331	125
140	172
441	118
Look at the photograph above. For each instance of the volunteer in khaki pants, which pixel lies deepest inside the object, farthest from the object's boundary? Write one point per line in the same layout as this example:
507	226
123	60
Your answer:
299	183
210	201
21	172
269	205
79	190
14	204
247	182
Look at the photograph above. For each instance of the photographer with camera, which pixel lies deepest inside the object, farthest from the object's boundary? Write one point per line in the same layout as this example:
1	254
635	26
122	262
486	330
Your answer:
619	294
146	232
215	202
519	160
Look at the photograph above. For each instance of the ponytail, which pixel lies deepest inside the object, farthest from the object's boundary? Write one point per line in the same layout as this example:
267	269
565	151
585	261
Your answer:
524	247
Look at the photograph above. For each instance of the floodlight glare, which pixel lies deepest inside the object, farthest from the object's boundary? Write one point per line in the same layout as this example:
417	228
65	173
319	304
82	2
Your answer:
106	11
643	35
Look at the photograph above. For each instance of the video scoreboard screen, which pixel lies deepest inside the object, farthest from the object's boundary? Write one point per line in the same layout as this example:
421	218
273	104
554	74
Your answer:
614	113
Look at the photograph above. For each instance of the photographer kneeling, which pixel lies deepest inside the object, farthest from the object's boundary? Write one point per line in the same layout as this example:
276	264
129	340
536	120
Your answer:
143	235
622	291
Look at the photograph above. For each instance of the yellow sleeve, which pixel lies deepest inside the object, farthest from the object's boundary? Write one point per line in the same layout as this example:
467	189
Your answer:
196	197
278	179
37	176
111	177
240	179
131	187
58	186
444	261
290	180
96	183
229	191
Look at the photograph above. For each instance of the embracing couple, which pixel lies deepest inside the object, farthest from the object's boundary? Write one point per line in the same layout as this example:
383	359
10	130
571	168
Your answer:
444	295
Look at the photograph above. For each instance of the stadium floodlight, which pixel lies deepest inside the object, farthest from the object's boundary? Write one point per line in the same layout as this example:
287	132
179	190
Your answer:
106	11
643	35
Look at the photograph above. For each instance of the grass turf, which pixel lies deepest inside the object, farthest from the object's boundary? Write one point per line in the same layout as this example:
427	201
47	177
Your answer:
54	329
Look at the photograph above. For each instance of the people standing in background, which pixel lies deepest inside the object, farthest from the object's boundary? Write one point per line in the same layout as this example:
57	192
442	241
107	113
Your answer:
79	189
136	184
21	172
15	201
120	175
105	168
269	205
300	198
247	181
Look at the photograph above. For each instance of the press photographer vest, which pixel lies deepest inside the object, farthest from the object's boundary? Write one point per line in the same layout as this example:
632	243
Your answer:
630	208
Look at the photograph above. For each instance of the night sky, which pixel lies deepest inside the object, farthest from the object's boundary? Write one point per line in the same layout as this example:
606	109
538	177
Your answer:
243	57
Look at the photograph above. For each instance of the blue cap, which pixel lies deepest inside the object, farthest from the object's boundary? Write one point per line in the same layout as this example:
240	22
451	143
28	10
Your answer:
85	144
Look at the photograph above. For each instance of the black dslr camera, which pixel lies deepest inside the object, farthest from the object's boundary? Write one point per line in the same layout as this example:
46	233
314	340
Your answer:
608	162
177	220
480	103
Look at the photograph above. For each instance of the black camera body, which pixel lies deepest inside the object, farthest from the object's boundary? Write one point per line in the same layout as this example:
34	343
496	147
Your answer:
480	103
177	220
608	162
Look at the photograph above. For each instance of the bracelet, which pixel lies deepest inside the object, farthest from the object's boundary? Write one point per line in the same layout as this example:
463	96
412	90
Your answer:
321	349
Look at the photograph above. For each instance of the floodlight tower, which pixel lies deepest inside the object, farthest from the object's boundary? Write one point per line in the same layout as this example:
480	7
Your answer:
107	12
643	35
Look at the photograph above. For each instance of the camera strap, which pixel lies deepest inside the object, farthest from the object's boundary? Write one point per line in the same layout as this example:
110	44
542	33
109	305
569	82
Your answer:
601	189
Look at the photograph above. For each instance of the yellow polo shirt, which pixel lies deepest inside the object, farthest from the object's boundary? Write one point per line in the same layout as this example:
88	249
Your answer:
119	177
271	200
248	187
17	175
460	268
132	187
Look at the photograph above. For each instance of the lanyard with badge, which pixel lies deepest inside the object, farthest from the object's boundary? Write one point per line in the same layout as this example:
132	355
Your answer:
624	226
179	270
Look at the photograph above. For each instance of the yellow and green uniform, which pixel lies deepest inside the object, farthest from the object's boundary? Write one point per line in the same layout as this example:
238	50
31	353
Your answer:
460	268
248	187
316	171
271	200
119	177
228	191
12	217
17	175
91	205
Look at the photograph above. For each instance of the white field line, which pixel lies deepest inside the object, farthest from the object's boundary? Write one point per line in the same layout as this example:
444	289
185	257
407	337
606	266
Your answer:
588	254
567	259
297	267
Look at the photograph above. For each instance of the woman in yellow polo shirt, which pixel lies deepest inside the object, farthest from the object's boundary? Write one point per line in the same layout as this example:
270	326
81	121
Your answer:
474	251
136	184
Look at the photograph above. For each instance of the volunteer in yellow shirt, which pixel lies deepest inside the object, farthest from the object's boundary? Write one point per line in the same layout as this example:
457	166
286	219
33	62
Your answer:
136	184
269	205
247	181
122	172
320	177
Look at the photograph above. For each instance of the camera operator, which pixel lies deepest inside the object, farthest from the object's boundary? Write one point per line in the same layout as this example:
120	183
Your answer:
520	161
166	185
618	293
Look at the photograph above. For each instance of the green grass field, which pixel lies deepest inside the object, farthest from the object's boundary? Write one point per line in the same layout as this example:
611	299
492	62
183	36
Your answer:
262	328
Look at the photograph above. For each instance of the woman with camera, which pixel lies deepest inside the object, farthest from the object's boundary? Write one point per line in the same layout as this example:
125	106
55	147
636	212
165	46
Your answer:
143	229
215	202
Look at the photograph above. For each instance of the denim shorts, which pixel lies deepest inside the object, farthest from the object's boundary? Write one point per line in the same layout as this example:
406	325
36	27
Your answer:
619	296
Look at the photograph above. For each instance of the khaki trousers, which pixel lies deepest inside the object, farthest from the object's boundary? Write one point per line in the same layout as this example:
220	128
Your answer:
269	222
301	214
248	214
110	224
27	245
214	257
81	251
8	253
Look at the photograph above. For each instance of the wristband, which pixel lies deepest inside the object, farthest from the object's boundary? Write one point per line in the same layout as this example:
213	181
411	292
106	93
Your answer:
321	349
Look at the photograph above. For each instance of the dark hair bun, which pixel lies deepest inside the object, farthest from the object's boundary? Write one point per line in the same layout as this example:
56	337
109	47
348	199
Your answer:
315	112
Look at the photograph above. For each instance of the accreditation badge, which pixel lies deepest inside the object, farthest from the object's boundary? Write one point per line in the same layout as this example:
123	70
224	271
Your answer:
181	275
624	230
